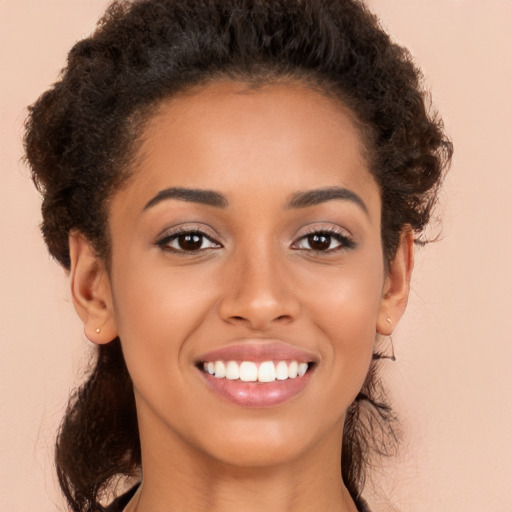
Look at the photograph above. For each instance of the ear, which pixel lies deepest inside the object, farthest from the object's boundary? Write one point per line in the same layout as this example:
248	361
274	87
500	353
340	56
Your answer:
90	289
396	288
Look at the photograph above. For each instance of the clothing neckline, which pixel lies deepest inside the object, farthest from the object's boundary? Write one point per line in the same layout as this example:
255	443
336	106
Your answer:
121	501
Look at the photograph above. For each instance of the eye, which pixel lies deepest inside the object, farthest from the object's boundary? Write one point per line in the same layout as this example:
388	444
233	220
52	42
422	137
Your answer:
187	241
323	241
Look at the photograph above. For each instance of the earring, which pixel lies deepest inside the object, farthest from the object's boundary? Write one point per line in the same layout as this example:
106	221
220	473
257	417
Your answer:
98	330
384	354
392	356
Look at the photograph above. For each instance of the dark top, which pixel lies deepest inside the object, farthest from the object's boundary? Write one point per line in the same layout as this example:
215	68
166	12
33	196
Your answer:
119	503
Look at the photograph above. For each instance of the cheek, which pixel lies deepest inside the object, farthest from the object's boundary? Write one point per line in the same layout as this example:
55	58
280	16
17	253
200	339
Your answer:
156	298
158	315
156	312
346	314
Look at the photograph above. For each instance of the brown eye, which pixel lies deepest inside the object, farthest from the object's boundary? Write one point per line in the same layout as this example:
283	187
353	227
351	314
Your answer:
190	241
324	241
319	241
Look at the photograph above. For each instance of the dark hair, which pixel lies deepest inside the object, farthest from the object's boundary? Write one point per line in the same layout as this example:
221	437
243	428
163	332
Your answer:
82	134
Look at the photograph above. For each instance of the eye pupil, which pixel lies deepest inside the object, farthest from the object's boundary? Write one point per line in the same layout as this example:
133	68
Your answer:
190	242
319	241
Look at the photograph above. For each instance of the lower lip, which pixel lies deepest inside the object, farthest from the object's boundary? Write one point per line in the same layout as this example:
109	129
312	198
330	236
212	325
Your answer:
257	394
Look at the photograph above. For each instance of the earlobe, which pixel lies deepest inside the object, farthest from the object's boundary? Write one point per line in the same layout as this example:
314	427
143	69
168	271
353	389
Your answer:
397	285
90	289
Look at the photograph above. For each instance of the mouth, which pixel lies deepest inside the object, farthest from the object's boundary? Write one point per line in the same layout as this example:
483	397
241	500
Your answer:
257	374
250	371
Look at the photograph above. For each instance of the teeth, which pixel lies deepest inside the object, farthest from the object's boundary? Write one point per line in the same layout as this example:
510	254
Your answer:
220	370
267	372
281	370
232	370
248	371
293	369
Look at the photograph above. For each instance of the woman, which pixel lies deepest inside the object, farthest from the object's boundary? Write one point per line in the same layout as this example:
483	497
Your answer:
235	188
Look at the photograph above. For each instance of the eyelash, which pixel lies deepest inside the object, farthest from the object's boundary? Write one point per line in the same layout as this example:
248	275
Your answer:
345	242
165	241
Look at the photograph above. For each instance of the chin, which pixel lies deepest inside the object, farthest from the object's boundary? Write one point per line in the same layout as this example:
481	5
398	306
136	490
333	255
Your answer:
271	443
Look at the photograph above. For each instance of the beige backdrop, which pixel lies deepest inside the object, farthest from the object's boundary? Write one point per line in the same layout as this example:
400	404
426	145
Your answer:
451	382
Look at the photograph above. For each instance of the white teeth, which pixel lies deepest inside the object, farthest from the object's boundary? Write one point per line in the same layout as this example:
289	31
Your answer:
232	370
281	370
293	369
267	372
303	368
220	370
248	371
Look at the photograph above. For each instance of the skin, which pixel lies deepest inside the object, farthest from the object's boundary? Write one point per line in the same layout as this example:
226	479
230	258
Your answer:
257	279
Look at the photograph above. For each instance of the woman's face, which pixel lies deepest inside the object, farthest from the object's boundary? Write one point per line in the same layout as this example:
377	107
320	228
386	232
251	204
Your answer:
248	240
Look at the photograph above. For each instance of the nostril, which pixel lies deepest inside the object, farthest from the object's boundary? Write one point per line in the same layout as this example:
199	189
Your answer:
283	318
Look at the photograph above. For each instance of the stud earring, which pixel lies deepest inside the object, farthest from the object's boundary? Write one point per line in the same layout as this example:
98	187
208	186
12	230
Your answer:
98	330
389	321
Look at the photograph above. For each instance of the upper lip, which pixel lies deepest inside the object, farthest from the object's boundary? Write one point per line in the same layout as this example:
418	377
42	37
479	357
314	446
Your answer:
258	351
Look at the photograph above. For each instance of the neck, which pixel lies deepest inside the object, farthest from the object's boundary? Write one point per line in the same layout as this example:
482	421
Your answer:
178	477
250	490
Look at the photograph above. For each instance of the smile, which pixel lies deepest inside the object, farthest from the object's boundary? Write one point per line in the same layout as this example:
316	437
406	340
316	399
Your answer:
256	373
249	371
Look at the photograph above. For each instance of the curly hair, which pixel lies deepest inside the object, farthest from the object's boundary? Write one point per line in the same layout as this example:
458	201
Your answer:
83	133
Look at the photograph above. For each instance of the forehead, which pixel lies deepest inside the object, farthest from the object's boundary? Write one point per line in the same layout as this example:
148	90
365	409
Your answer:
233	137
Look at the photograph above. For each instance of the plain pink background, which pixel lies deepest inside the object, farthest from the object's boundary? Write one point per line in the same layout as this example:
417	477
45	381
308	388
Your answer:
452	382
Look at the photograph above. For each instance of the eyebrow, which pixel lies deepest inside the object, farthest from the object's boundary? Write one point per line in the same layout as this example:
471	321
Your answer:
322	195
298	200
192	195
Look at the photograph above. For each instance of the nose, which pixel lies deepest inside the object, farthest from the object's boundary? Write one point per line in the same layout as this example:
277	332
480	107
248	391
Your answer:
259	292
